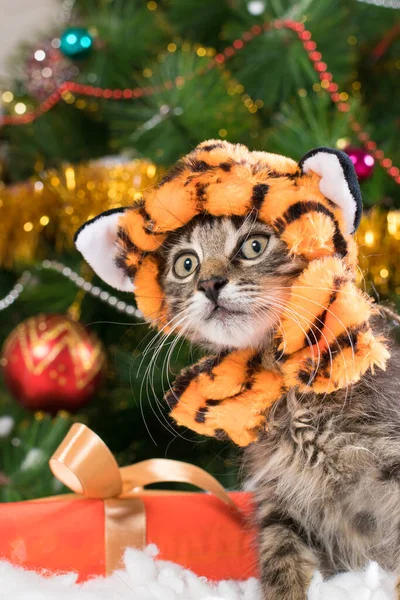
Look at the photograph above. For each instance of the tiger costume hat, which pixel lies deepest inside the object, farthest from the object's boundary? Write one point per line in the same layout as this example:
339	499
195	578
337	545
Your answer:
314	206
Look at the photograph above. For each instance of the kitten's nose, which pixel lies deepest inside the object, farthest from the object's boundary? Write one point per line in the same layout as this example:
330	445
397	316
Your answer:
211	287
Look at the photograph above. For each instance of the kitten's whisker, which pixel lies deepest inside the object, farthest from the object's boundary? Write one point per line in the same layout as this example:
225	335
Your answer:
293	316
166	423
167	360
153	339
318	288
328	310
313	326
147	349
279	326
362	277
149	379
328	347
337	343
157	342
260	314
165	335
158	335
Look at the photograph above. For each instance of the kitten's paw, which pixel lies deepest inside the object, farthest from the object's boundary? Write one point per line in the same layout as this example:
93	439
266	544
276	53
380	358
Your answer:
280	592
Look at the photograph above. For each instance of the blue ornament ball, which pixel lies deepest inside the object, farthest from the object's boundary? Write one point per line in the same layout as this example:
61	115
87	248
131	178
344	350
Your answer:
76	42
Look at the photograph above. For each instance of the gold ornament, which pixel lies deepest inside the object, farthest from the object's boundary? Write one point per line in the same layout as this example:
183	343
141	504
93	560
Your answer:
49	208
379	247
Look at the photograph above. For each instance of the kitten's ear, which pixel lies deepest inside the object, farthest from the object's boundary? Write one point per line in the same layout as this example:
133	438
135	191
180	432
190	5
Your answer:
338	183
96	241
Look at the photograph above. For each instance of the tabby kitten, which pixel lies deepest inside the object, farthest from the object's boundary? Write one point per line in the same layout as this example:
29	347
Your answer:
326	472
213	253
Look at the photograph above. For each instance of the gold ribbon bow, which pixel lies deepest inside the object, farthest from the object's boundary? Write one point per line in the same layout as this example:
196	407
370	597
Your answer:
86	465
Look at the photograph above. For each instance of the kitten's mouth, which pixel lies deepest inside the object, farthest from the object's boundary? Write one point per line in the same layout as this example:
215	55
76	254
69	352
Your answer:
230	324
222	312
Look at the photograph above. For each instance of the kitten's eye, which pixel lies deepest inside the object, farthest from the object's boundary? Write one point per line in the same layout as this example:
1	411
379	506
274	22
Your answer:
254	246
185	265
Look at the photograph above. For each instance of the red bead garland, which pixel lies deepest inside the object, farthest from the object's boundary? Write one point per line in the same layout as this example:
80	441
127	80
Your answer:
304	36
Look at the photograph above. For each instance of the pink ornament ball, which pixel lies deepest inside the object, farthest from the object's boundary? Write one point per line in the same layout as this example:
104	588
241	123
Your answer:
363	162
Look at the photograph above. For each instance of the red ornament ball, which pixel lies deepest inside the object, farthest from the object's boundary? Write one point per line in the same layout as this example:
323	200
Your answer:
52	363
363	162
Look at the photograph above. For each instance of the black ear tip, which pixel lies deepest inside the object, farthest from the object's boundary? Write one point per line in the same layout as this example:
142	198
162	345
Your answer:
106	213
84	225
349	174
77	232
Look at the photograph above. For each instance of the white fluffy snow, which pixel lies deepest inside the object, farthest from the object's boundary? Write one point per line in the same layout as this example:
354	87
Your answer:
145	578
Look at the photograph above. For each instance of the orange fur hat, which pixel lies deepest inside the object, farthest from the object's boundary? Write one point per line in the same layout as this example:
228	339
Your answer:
314	206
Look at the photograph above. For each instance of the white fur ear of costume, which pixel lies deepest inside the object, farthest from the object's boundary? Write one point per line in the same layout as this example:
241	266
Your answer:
96	241
338	183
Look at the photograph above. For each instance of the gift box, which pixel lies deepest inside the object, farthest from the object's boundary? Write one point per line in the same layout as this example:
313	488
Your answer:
88	531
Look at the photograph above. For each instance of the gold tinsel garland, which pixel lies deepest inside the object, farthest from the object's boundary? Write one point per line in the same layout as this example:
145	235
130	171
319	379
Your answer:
379	250
47	210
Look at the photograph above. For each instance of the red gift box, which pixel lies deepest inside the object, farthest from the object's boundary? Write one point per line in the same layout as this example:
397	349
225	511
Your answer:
88	532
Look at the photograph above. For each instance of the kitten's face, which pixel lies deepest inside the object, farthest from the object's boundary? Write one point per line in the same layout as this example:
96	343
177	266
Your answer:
226	281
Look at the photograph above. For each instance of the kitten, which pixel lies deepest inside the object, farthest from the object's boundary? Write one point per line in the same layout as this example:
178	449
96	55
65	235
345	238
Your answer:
326	472
213	252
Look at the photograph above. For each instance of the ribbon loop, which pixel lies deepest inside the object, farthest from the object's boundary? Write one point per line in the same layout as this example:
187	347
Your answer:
86	465
162	470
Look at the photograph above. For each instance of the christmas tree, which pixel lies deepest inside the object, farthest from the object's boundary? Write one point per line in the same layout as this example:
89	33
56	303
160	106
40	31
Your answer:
92	114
